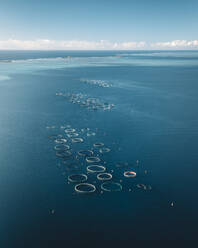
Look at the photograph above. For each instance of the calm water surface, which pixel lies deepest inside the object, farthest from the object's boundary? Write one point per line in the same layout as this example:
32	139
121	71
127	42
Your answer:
142	105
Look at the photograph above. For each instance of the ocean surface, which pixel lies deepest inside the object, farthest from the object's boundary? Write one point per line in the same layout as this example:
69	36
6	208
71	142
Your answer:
135	113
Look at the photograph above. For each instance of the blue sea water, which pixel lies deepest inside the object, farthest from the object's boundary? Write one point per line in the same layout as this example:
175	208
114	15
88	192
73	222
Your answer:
143	105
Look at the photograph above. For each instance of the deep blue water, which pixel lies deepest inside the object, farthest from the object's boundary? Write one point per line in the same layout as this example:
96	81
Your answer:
154	120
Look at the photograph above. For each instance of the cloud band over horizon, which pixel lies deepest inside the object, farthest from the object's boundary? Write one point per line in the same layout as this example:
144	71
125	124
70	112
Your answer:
45	44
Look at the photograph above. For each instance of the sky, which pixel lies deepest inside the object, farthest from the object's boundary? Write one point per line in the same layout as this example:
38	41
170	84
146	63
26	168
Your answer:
98	25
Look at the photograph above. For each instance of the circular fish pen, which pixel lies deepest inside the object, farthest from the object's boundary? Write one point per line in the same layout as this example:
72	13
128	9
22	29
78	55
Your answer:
72	135
111	186
70	130
63	154
104	150
97	145
143	186
61	147
77	140
96	168
92	159
104	176
85	153
77	178
85	188
60	141
130	174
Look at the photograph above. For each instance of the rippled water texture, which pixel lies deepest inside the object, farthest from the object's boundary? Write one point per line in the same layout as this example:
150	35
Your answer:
67	117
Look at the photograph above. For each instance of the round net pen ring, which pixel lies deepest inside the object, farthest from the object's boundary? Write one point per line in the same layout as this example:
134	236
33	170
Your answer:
63	154
70	130
92	159
77	178
85	188
130	174
61	147
85	153
104	176
77	140
60	141
104	150
111	186
96	168
144	187
141	186
72	135
100	144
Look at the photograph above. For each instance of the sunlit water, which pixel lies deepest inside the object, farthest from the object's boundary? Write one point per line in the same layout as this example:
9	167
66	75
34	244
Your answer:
142	105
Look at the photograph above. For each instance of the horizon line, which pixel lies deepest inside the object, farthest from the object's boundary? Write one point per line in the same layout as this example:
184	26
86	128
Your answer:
97	50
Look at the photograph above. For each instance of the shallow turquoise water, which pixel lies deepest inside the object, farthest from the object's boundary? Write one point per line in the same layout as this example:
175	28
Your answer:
153	121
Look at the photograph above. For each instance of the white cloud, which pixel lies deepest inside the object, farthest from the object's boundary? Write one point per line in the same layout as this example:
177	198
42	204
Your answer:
176	44
129	45
44	44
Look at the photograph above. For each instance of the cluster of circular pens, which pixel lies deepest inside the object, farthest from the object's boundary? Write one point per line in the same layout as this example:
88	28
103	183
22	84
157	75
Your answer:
84	161
100	83
85	101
